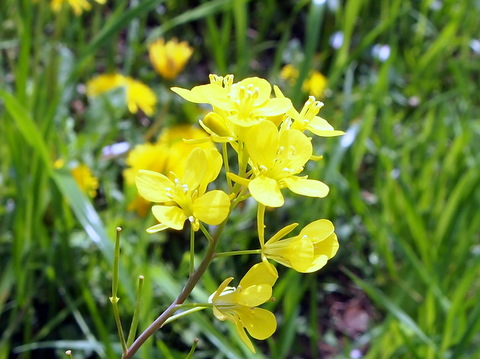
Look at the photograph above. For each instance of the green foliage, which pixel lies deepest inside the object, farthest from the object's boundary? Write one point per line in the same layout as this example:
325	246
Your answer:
404	179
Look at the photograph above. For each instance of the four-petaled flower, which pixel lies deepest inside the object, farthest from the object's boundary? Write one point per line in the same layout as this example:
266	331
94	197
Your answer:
276	157
307	252
185	198
238	305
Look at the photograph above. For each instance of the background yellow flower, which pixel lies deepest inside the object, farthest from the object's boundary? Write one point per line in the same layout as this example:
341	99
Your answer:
169	58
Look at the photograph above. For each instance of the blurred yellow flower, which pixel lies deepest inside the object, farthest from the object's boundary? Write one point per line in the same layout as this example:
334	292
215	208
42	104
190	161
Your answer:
238	305
315	84
169	58
78	6
185	197
307	252
84	177
138	95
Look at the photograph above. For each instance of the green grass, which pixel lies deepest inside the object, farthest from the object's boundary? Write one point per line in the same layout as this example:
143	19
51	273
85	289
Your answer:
404	179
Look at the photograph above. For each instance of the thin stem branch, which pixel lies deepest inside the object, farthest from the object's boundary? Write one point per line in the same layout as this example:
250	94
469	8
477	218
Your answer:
187	289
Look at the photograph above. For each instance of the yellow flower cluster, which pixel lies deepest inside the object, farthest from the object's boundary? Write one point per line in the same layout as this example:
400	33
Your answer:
272	148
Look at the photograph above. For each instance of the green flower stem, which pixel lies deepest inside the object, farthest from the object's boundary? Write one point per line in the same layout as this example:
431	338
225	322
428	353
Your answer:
227	166
261	224
192	250
194	346
185	313
189	285
114	299
237	253
136	313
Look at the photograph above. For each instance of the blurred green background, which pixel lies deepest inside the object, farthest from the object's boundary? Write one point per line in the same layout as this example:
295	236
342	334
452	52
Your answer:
402	81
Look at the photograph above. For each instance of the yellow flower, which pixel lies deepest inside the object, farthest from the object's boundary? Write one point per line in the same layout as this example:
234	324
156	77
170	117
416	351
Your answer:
184	197
276	157
315	84
237	106
78	6
169	58
307	252
238	305
307	119
169	153
138	95
85	180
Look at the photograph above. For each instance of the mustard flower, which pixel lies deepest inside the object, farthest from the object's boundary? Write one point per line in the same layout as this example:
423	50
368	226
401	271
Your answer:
184	197
138	95
307	252
307	119
276	158
169	58
238	305
237	106
78	6
168	154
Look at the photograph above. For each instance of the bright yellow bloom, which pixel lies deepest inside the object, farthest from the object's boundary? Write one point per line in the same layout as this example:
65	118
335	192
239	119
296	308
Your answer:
307	119
307	252
238	305
276	158
184	197
169	153
138	95
237	106
169	58
78	6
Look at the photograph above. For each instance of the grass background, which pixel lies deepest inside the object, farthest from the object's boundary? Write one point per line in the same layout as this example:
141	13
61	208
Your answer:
404	178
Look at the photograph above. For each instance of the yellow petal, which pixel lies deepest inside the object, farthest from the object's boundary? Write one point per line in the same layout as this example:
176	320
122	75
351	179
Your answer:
171	216
195	169
194	95
153	186
321	127
254	295
212	208
243	336
260	323
274	107
307	187
157	228
262	143
266	191
259	274
298	149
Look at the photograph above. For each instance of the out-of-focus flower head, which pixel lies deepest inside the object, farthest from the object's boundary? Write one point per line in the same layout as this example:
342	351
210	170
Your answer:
78	6
84	177
315	84
238	305
169	58
138	95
